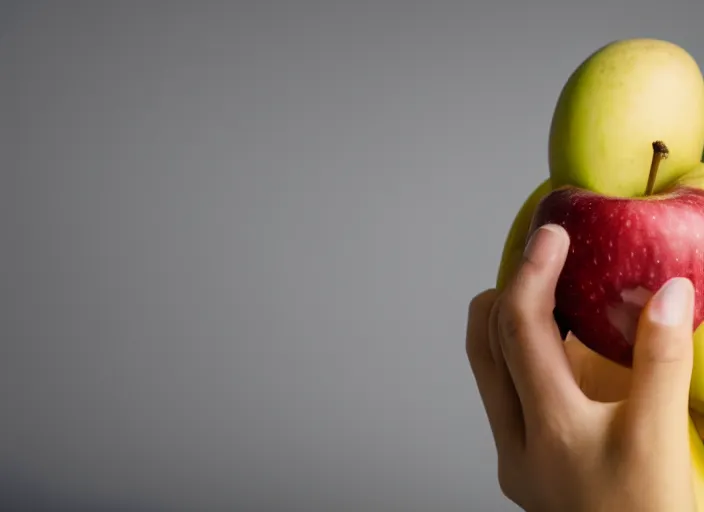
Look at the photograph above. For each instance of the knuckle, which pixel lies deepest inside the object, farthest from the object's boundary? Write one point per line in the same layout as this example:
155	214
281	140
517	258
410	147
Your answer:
473	345
521	314
511	328
664	346
526	276
509	480
506	480
478	321
481	303
528	288
480	307
475	353
512	318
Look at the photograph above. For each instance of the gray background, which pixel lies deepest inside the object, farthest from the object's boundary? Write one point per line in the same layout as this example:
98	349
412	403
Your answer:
239	240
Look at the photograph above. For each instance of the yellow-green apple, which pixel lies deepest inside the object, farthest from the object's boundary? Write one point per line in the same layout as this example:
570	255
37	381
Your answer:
622	250
620	99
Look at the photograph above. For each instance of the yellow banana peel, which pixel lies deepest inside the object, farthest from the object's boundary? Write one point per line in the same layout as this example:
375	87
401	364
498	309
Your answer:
516	238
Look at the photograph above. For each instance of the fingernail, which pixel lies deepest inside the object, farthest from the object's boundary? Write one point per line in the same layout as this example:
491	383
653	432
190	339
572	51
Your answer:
546	243
672	302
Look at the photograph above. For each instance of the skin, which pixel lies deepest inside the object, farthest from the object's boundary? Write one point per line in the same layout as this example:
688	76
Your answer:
615	104
564	440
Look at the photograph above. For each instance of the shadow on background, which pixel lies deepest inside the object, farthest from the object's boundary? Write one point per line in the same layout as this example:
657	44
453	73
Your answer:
19	493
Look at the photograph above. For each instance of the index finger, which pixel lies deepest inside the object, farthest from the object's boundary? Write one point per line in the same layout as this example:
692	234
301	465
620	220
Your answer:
530	338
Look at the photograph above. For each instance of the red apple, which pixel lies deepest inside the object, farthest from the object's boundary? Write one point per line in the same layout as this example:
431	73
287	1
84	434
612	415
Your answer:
622	250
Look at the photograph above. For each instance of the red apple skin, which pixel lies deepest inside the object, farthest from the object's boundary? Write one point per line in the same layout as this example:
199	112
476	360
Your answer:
622	250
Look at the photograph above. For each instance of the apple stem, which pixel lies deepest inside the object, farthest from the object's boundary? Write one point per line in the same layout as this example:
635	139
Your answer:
660	152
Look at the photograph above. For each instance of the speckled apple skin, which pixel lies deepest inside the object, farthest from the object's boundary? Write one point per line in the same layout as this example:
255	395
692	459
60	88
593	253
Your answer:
622	250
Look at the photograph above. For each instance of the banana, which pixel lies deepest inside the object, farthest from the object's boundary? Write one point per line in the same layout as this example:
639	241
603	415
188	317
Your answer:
695	179
696	385
516	238
696	450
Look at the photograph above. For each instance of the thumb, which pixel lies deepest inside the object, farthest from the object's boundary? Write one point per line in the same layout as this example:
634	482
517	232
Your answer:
662	361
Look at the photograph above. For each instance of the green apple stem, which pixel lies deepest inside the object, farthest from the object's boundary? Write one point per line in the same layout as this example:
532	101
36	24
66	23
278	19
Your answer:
660	152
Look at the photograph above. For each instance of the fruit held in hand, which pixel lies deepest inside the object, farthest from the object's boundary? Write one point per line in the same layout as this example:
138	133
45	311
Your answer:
615	104
630	231
622	250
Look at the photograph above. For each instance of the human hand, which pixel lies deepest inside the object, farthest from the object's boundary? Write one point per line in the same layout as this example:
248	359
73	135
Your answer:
600	379
562	446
